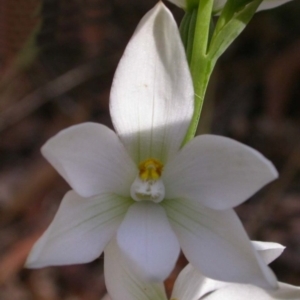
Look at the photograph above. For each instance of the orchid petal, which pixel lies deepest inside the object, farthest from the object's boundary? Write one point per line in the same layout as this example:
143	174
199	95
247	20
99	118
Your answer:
148	240
268	251
217	172
188	285
269	4
242	292
152	96
122	283
286	292
216	243
192	285
80	230
91	159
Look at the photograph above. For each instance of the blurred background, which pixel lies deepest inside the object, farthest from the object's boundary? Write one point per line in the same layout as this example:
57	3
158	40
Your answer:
57	60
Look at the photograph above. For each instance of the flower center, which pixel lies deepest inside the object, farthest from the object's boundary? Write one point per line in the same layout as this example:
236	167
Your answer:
150	169
148	185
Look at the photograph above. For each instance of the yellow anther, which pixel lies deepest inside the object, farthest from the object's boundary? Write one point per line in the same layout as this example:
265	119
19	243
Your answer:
150	169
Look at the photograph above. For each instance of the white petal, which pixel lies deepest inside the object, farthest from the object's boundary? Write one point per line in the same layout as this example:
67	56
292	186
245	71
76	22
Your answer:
148	240
216	171
189	284
215	242
80	230
286	291
152	96
268	4
268	251
122	283
192	285
91	159
242	292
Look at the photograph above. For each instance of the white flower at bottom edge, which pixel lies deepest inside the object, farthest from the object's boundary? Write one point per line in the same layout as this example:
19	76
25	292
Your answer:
140	186
122	284
219	4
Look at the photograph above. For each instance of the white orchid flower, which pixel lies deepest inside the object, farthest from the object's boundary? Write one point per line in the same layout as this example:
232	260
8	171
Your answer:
219	4
122	284
140	186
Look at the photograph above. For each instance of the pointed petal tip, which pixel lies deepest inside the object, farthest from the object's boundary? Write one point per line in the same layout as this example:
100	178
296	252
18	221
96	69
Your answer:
269	251
161	5
35	261
216	243
270	4
228	172
79	231
29	263
273	171
36	264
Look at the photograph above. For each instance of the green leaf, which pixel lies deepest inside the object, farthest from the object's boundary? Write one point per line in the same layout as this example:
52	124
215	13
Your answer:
192	4
187	32
184	28
228	29
231	7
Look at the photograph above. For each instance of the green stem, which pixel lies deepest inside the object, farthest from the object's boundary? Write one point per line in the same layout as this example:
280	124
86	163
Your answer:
200	66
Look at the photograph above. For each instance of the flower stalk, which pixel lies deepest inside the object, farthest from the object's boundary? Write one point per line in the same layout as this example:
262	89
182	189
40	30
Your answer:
196	45
204	45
